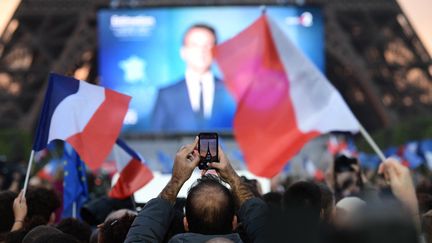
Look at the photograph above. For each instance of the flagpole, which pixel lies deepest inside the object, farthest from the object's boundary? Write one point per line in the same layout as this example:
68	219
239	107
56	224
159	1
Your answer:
74	214
29	166
372	143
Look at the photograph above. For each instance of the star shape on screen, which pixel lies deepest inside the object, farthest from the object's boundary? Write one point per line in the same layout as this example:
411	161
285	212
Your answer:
134	69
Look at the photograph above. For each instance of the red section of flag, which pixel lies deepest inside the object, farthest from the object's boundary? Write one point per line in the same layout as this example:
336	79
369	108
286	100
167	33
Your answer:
95	142
264	125
134	176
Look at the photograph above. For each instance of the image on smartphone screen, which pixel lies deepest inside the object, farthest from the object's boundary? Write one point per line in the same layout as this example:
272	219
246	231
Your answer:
208	149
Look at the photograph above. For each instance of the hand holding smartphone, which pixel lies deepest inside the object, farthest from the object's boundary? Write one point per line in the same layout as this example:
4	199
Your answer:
208	149
347	177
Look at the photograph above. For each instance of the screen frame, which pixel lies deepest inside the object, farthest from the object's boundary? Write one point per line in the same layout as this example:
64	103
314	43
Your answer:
148	6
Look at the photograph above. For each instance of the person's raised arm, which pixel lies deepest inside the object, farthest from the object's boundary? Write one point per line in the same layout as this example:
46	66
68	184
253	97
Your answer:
20	211
187	158
402	185
226	172
154	220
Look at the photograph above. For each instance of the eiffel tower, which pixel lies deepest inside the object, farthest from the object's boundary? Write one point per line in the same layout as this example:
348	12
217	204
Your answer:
373	55
208	154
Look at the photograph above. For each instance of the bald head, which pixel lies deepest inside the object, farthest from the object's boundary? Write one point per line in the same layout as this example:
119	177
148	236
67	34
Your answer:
219	240
210	207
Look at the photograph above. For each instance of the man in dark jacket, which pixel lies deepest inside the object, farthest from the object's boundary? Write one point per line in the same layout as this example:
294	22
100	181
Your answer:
210	206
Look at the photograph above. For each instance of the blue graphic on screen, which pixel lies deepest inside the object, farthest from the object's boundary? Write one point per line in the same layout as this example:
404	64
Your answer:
139	54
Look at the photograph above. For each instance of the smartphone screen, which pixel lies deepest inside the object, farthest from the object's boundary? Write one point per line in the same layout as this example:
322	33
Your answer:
343	163
347	179
208	149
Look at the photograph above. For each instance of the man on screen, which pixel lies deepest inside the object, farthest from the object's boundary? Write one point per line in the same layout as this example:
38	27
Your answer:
200	100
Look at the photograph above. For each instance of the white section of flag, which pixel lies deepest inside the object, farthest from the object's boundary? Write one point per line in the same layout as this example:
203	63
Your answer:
121	157
75	111
318	105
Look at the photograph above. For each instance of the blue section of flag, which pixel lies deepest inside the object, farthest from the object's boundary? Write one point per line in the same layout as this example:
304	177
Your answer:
425	146
389	152
59	87
351	146
52	167
287	167
411	155
128	149
425	150
75	183
370	161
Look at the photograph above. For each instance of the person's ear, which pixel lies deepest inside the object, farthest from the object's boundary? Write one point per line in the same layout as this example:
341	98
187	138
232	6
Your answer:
234	222
185	224
52	218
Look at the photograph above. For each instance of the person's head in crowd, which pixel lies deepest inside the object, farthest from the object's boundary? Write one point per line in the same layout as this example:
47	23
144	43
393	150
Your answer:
382	222
219	240
327	203
94	237
253	185
97	210
196	51
347	209
427	226
10	175
425	202
6	212
424	184
80	230
57	238
48	234
120	213
347	177
288	181
273	199
210	207
40	231
304	196
299	219
42	204
115	230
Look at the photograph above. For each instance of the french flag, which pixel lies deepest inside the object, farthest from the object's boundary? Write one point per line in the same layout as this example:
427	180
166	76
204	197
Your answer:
87	116
283	100
134	174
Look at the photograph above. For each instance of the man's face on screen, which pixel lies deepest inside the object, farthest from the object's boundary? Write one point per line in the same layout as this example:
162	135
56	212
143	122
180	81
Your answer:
196	50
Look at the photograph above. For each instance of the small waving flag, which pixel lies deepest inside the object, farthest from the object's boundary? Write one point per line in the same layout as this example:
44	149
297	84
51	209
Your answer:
75	189
426	152
134	173
411	155
86	116
283	100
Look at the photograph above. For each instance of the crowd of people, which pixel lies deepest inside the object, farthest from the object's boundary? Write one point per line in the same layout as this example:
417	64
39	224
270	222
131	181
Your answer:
223	206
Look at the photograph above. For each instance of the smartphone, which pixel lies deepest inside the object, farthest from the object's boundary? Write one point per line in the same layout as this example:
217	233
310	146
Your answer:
343	163
208	149
347	179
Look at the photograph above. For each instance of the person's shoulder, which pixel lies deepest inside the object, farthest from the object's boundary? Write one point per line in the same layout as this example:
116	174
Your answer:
218	80
174	86
219	83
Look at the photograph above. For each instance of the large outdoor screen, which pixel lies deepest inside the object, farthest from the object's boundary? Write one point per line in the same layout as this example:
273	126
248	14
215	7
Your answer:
166	66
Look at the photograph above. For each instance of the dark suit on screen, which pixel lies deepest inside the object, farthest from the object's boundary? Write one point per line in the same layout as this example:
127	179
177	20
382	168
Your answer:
173	111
